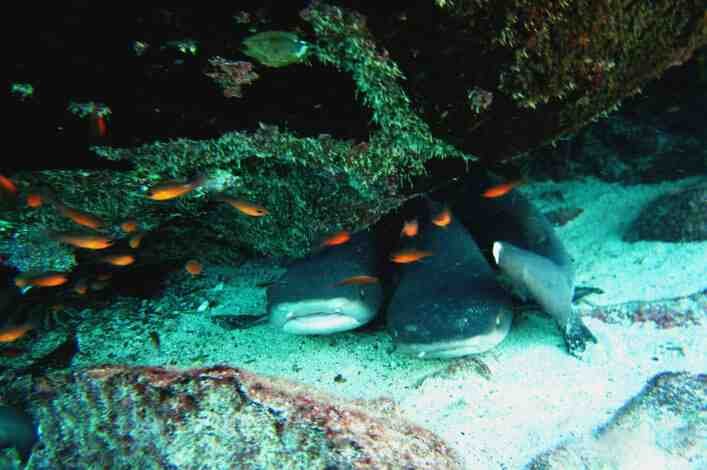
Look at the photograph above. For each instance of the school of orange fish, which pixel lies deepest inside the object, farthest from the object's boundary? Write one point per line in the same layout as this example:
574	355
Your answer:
165	191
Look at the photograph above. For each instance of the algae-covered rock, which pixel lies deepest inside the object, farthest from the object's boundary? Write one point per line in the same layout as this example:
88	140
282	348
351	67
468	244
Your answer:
676	217
122	417
443	83
551	67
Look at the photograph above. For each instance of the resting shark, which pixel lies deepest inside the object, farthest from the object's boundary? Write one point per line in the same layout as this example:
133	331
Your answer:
450	303
311	299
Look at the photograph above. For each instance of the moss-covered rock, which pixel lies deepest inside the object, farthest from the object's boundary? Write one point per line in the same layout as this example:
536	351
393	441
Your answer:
551	66
675	217
442	82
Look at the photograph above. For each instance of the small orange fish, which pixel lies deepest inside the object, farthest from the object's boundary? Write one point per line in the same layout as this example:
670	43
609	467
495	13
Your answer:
136	239
13	333
247	208
409	256
338	238
45	279
80	217
193	267
357	280
172	189
81	286
443	219
410	228
90	242
128	226
99	126
34	200
119	259
104	277
500	189
7	184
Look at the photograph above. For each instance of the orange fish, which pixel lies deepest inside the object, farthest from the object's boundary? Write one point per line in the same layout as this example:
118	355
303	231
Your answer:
247	208
443	219
80	217
118	259
104	276
136	239
90	242
45	279
34	200
7	184
500	189
338	238
128	226
171	189
13	333
193	267
357	280
99	126
409	256
81	287
410	228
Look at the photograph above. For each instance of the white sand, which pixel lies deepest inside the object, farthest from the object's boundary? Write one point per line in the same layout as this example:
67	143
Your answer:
537	395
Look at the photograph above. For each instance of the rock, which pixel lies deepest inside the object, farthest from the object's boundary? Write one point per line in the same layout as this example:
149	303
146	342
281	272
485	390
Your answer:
681	312
145	417
398	108
674	217
661	427
563	215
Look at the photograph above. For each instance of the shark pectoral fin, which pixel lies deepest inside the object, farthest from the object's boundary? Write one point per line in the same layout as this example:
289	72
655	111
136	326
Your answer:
550	285
577	335
546	282
580	292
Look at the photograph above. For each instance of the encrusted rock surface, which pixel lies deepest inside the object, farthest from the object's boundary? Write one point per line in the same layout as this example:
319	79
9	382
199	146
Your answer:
666	313
674	217
121	417
662	427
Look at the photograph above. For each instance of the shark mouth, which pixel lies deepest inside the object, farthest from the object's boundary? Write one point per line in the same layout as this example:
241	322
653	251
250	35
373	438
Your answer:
320	316
446	349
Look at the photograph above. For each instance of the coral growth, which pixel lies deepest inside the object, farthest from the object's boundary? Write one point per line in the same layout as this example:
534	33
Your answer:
120	417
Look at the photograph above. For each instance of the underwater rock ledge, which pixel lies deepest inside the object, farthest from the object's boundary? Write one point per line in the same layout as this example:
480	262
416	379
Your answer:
220	417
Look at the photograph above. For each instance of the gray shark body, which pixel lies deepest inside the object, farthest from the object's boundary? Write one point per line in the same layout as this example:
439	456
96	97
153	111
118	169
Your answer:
448	304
